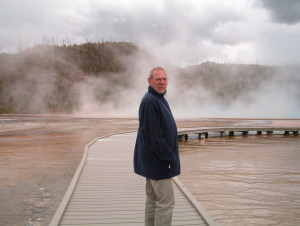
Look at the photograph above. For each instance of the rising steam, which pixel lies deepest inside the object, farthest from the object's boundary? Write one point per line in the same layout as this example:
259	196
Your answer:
205	90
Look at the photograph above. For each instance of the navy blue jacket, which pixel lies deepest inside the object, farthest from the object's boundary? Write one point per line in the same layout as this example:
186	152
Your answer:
156	150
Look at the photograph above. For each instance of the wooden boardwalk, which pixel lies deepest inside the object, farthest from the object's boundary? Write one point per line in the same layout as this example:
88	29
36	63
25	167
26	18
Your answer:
105	190
184	133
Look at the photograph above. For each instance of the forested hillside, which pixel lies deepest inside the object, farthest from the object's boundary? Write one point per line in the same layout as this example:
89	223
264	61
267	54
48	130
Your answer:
45	78
240	90
98	77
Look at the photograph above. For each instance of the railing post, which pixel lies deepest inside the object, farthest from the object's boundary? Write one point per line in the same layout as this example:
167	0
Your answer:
186	137
245	133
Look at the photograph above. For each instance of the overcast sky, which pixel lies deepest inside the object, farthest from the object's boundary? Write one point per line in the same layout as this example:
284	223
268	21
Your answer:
181	31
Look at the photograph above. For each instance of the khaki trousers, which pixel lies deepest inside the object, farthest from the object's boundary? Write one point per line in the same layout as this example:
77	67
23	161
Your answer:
160	202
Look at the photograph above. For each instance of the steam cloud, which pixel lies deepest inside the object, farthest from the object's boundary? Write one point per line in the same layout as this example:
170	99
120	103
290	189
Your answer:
275	96
227	91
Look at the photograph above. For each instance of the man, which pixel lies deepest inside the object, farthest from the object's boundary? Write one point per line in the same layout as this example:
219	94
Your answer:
156	150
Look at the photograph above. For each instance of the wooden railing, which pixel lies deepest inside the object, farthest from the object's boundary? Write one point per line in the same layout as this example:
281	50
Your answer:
183	134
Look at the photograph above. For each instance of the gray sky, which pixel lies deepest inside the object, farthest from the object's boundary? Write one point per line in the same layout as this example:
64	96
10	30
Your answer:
181	31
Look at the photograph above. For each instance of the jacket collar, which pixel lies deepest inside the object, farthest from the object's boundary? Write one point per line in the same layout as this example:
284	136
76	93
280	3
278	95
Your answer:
151	90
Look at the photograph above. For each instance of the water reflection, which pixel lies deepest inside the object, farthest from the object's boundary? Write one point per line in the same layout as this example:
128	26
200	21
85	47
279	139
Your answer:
245	180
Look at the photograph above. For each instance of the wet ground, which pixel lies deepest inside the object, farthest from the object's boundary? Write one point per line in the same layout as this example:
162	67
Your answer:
39	155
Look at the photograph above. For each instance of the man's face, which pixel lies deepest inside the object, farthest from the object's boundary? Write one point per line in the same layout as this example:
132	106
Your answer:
159	81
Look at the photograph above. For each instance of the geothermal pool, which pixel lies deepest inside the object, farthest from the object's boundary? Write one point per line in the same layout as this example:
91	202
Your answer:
252	180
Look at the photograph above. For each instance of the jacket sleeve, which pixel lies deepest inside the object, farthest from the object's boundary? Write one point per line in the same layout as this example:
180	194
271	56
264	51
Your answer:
153	134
